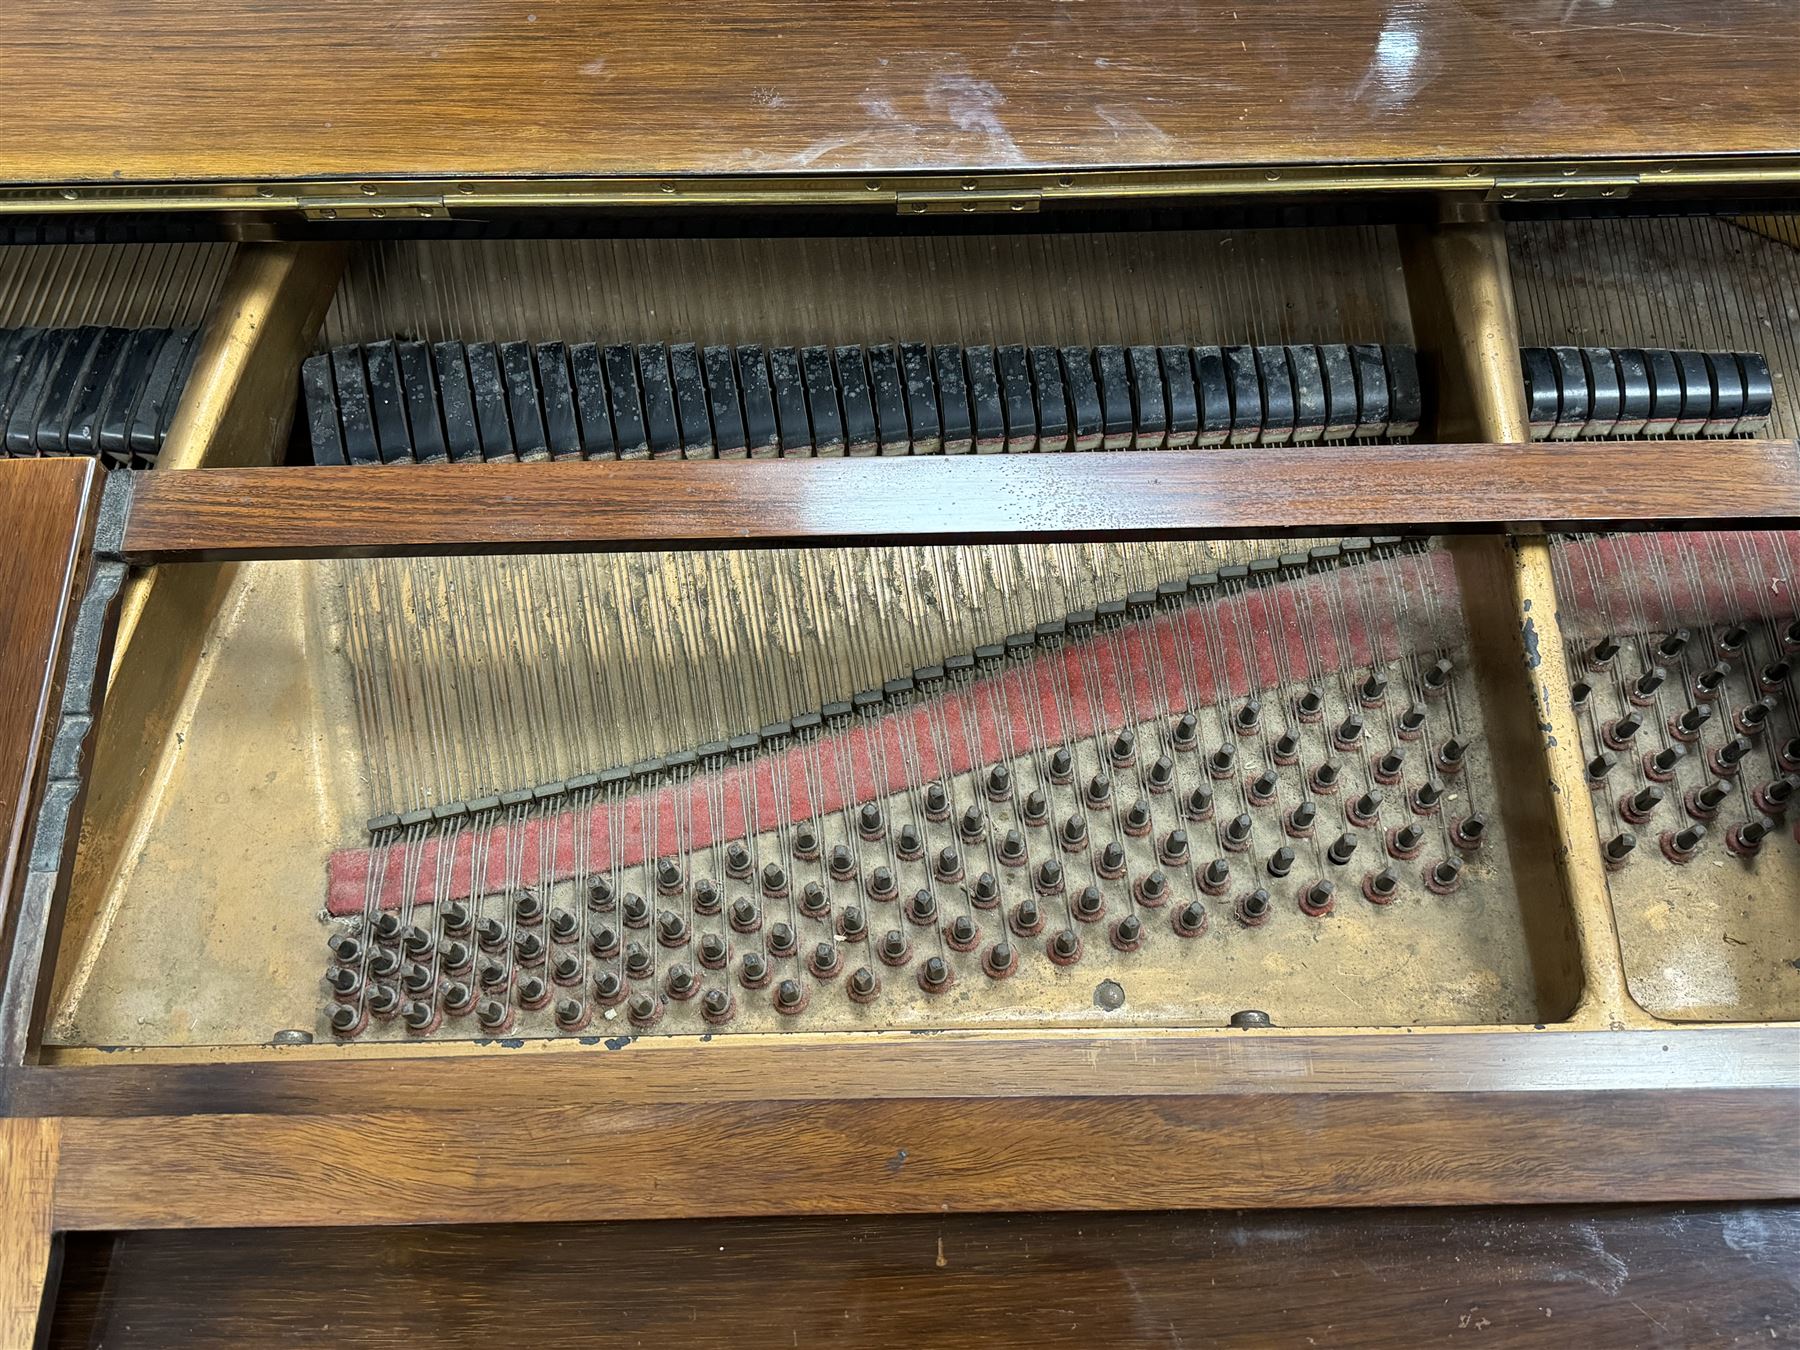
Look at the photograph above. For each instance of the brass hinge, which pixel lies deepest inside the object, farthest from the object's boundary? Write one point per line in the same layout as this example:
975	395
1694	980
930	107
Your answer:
968	199
1568	186
375	206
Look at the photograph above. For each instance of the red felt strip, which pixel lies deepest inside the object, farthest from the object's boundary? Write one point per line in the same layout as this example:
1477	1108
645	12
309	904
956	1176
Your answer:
1262	639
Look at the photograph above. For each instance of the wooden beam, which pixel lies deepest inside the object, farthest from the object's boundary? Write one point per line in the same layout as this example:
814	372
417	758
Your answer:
1226	492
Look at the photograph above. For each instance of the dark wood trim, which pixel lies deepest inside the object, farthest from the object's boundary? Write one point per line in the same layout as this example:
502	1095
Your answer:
47	516
1243	490
1610	1275
545	1160
922	1124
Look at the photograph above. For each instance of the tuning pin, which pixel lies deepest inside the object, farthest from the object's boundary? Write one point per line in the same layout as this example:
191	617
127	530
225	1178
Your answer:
1000	960
937	802
1389	767
1173	851
1704	803
947	866
1281	861
1660	765
852	923
1198	805
1774	798
1790	636
842	863
1137	819
1688	726
1065	947
1636	807
999	783
1365	808
1318	899
973	824
1160	774
753	970
388	928
1445	876
1185	734
1286	749
1324	779
1190	919
637	959
1450	756
1027	918
1643	689
1349	732
1406	841
1262	787
868	823
1617	733
605	941
1090	904
1222	763
1098	791
1602	653
493	1015
782	939
712	951
1216	877
1373	690
1729	757
1427	796
1618	849
1381	888
716	1006
1580	692
1744	840
1754	716
1789	754
1342	849
1673	645
745	917
1252	910
609	988
680	982
909	845
600	895
1680	845
864	985
1128	933
1309	706
922	908
986	892
1599	766
1299	823
1012	848
1049	878
962	934
894	947
1152	890
1437	679
1411	722
737	857
1111	862
1249	716
1775	674
790	997
1122	753
1237	832
1732	640
1708	682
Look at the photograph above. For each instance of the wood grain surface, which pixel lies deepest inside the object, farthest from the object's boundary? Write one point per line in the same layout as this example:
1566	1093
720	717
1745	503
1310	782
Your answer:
45	521
114	91
27	1182
1660	1276
1244	490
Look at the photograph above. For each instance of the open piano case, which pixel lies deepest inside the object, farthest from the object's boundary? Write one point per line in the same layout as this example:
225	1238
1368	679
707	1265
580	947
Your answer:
878	690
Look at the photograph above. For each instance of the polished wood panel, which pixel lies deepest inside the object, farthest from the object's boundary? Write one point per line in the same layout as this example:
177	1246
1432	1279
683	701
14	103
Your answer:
294	89
1652	1276
1243	490
45	521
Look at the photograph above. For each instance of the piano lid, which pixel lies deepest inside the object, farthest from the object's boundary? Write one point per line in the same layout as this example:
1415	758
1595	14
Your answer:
598	100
